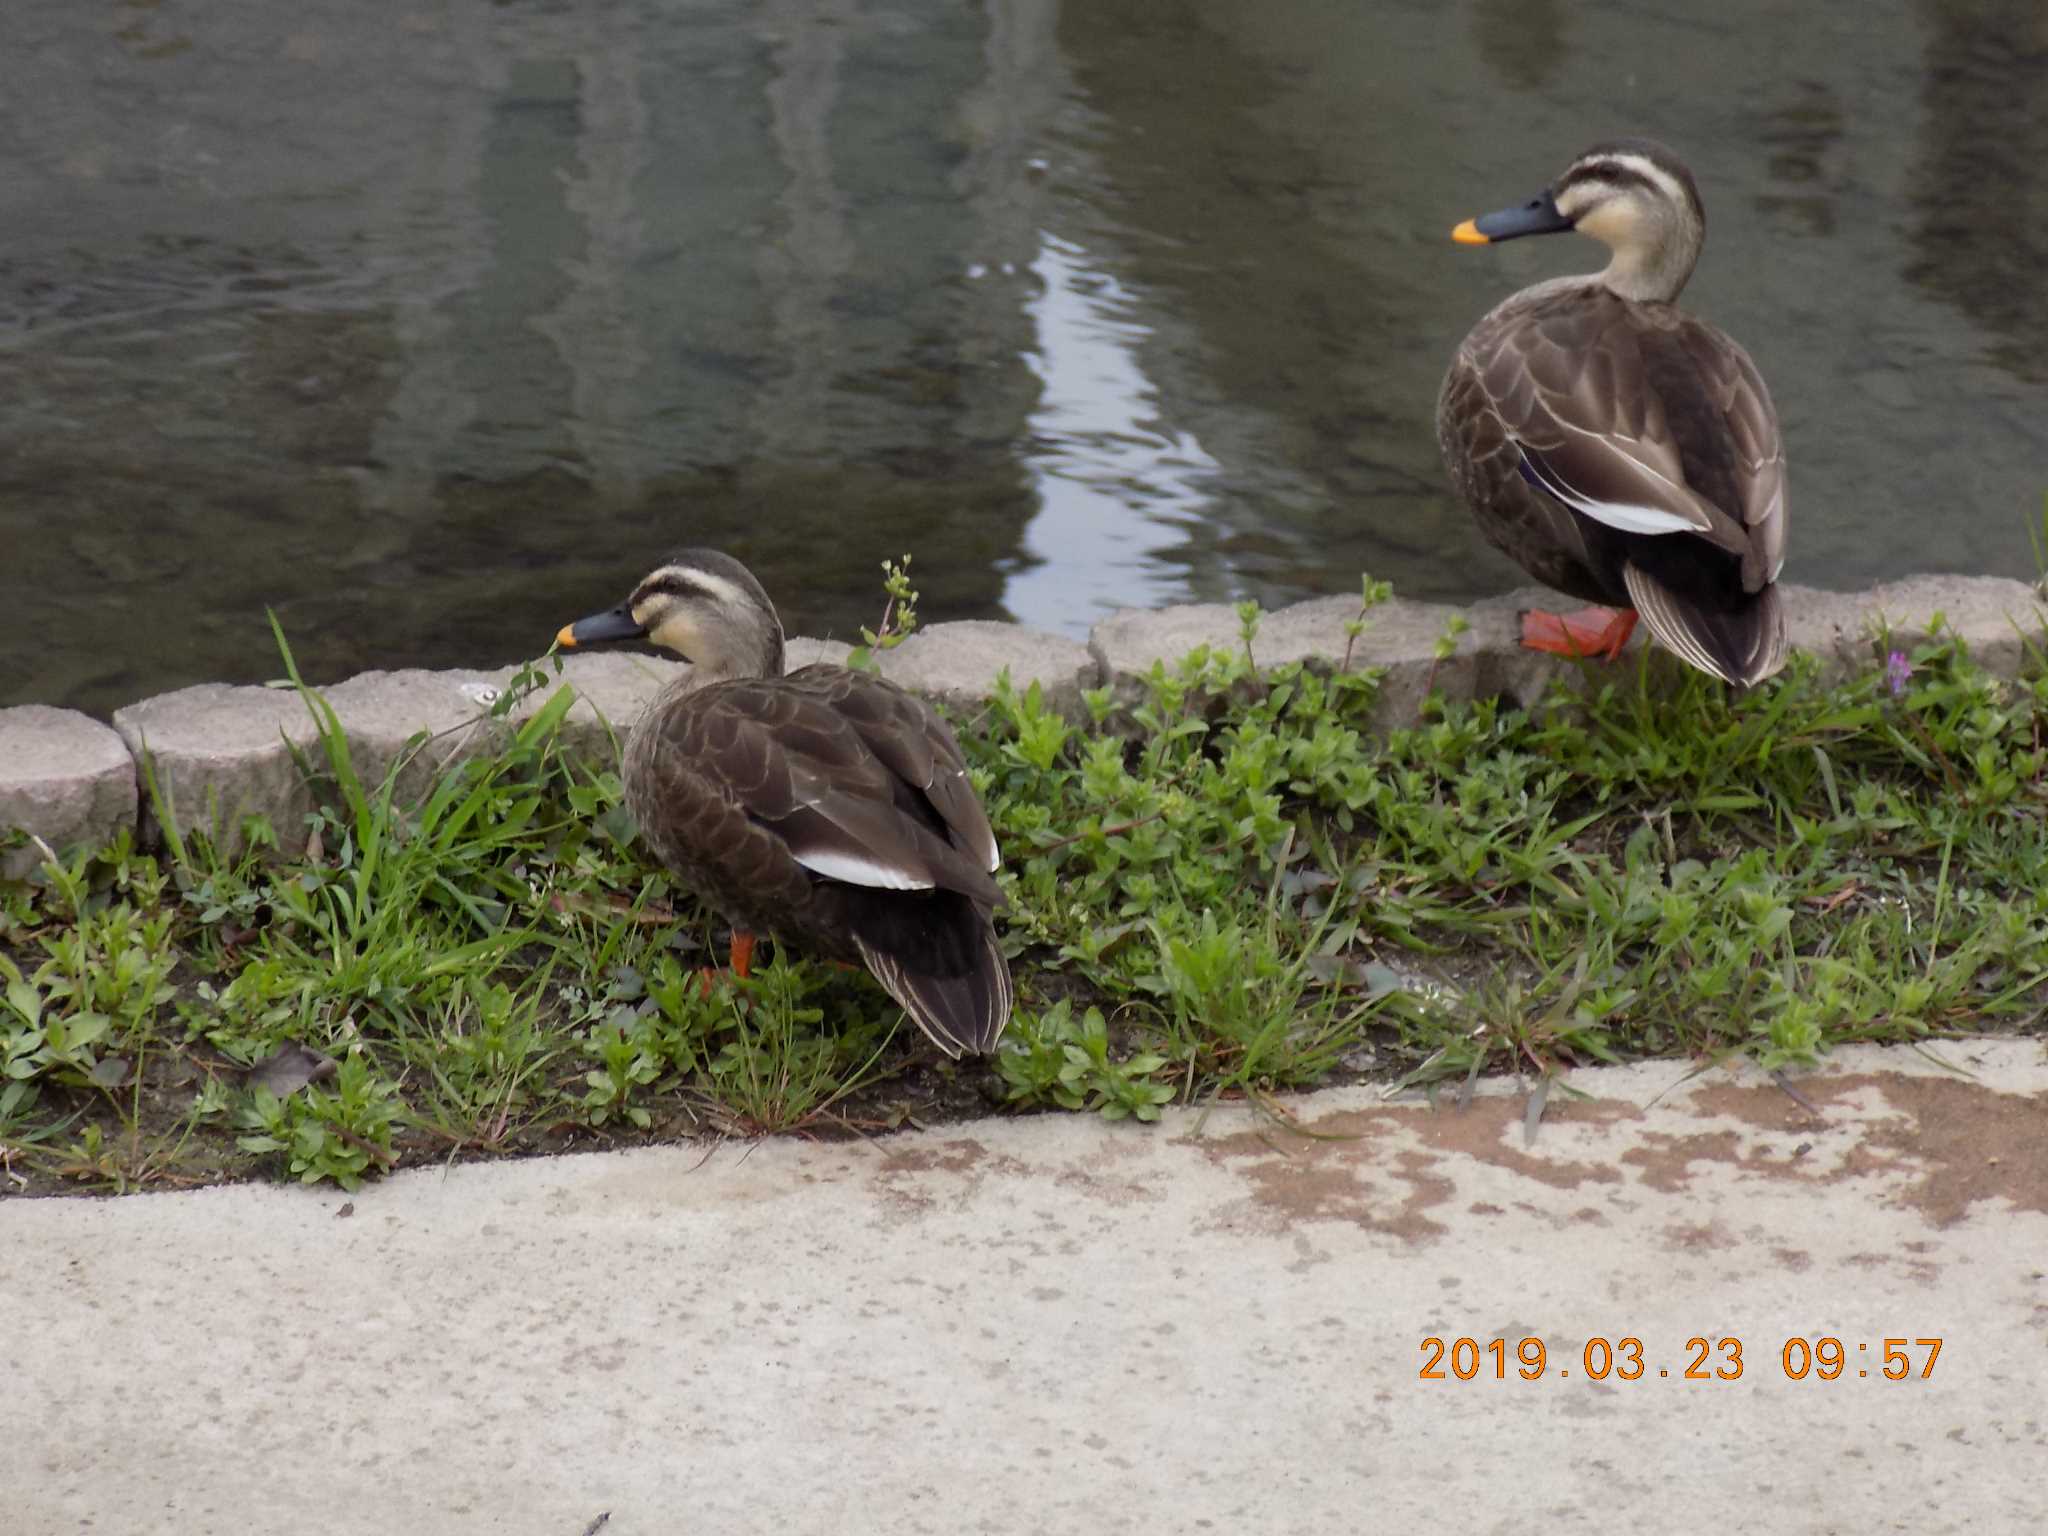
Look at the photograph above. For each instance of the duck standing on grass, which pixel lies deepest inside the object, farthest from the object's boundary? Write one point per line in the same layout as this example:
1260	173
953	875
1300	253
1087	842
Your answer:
1618	449
827	807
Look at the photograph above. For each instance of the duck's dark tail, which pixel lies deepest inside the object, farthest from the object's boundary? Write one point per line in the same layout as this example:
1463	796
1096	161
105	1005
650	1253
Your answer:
953	980
1742	644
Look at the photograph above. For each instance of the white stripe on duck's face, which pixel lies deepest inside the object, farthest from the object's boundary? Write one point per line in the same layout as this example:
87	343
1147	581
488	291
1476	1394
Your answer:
721	591
710	620
1618	176
1643	213
1625	201
687	584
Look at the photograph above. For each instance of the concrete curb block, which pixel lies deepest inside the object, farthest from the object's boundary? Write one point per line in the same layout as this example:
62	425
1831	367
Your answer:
220	752
957	664
223	753
1400	637
63	776
1995	616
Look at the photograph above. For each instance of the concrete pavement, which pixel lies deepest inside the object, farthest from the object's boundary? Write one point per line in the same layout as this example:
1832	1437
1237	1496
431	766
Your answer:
1056	1324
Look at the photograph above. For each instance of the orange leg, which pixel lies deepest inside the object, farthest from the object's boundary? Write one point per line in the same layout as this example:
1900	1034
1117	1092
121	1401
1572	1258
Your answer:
739	962
1589	632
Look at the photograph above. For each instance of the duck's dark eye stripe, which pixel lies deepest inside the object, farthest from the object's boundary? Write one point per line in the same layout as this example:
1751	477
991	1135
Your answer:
669	584
1613	175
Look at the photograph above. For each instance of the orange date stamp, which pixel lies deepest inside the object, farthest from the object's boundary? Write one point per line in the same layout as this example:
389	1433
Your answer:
1823	1358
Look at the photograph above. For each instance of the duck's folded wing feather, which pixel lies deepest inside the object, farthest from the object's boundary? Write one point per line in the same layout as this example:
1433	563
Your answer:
1741	645
910	739
1569	387
797	764
1737	390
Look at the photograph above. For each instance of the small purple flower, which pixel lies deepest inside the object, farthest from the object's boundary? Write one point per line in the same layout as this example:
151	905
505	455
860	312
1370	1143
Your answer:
1897	672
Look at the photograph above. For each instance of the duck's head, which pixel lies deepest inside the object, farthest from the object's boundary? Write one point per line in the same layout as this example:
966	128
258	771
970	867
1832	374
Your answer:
1632	195
704	606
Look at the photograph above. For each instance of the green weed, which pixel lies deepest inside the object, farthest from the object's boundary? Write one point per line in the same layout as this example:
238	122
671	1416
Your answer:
338	1135
1221	884
1055	1058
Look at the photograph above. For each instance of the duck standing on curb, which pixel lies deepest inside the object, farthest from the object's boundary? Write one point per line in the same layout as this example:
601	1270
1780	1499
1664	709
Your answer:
1618	449
827	807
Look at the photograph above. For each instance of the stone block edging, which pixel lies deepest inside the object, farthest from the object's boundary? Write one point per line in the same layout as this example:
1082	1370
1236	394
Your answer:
223	752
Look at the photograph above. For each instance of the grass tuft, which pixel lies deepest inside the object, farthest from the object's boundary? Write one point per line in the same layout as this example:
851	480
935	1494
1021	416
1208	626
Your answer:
1221	885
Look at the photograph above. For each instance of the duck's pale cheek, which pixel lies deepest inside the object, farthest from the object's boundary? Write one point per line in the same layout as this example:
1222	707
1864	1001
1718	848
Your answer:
678	635
1615	224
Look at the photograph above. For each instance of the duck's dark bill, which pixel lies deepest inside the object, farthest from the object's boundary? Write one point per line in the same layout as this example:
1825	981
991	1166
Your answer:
1539	216
618	624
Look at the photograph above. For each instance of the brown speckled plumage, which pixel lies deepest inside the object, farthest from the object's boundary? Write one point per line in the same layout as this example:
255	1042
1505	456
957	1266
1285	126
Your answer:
827	807
1571	389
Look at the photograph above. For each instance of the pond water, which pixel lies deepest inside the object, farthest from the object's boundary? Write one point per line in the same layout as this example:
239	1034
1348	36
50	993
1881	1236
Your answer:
430	326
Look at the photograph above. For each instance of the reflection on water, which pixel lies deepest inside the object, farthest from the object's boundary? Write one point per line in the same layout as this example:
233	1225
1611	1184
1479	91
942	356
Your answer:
425	327
1803	178
1980	188
1116	487
1523	41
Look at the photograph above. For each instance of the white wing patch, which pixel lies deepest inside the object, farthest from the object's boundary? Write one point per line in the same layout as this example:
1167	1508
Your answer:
1628	517
855	870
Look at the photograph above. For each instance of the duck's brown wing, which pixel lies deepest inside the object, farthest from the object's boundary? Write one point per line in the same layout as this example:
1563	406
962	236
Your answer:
858	781
832	807
908	738
963	1012
1654	435
1740	405
1538	532
1599	417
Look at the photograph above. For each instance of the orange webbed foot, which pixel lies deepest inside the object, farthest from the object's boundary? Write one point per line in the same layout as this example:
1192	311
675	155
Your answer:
740	962
1587	633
